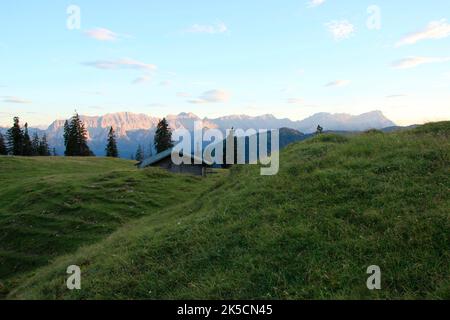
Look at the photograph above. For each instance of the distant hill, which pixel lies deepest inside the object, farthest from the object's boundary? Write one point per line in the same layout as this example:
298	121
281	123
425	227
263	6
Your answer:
338	205
288	136
399	128
134	129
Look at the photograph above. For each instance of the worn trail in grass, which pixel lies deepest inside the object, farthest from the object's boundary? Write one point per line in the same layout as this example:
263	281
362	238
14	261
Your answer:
53	206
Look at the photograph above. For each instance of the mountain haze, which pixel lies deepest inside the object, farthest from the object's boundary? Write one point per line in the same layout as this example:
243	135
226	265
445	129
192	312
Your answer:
133	129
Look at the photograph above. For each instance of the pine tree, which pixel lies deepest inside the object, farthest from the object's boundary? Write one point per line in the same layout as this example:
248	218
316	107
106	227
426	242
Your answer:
231	136
35	145
3	149
71	143
66	136
27	149
15	138
44	150
319	130
75	138
139	154
163	136
84	150
111	147
54	152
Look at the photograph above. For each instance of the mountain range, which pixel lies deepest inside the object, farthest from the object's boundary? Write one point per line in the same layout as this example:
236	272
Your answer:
133	129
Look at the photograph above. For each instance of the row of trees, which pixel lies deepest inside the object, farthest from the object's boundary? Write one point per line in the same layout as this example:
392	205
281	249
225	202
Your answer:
75	136
111	147
19	143
75	140
162	142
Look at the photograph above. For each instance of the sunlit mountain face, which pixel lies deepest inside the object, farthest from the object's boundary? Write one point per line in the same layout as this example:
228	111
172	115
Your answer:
138	129
289	59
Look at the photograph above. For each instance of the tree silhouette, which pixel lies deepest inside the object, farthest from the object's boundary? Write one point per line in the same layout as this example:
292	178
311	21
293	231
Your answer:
44	149
230	139
27	149
35	144
15	138
3	149
75	138
111	147
163	136
67	138
319	130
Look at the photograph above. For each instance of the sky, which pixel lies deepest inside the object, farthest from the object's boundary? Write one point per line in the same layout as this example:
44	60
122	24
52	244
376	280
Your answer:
289	58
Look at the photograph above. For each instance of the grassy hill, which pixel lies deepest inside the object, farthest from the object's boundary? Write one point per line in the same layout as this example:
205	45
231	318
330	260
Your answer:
338	205
53	206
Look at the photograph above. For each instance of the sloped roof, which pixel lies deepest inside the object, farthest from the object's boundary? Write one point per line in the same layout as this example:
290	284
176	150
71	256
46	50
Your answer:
162	155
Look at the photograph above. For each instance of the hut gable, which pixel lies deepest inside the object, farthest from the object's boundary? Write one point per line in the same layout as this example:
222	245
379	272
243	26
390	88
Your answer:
164	160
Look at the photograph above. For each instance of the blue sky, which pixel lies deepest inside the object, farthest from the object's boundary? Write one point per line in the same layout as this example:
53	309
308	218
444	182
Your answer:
285	57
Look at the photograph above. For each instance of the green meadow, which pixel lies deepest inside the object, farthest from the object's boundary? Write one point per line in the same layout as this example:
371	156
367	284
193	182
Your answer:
338	205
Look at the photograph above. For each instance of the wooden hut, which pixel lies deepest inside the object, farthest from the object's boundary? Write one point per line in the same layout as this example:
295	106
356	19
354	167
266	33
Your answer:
164	160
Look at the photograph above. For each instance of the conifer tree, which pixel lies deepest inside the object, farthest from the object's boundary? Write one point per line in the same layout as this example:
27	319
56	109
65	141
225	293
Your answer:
66	138
139	154
231	136
75	138
35	145
3	149
15	138
84	150
27	149
71	141
319	129
44	149
111	147
163	136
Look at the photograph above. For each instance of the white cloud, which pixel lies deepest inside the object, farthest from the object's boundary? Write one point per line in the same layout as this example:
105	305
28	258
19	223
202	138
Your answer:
338	83
434	30
94	93
212	96
142	79
18	100
219	27
165	83
157	105
183	95
102	34
412	62
294	101
394	96
96	108
340	29
315	3
124	63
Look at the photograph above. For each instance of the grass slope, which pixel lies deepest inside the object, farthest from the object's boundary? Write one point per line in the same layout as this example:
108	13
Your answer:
53	206
337	206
